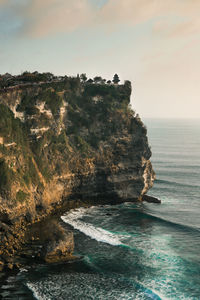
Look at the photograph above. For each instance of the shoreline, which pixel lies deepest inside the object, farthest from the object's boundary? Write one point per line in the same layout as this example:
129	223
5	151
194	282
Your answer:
30	246
35	236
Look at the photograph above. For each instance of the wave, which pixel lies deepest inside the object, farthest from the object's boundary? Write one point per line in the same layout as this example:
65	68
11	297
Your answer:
150	293
97	233
146	212
36	291
174	183
111	237
178	167
110	286
171	223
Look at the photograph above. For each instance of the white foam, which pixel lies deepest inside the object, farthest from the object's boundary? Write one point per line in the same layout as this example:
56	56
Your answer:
37	291
82	286
151	292
23	270
97	233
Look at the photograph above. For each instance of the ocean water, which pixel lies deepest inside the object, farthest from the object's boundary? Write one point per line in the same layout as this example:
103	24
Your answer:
134	251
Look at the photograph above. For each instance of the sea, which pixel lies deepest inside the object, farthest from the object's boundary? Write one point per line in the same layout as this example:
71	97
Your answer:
133	251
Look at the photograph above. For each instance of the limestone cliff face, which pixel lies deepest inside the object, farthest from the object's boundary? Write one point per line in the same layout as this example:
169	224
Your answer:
65	143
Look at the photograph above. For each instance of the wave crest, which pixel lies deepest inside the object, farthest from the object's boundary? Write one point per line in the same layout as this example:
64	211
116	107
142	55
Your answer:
97	233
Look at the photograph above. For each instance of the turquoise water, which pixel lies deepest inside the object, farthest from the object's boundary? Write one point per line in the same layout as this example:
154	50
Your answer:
135	251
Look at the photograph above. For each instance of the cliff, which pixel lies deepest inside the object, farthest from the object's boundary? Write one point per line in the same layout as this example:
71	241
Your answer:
64	143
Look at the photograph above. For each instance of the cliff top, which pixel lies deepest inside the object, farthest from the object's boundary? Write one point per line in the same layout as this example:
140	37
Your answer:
35	78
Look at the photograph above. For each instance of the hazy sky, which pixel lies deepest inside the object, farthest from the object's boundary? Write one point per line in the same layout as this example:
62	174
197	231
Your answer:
153	43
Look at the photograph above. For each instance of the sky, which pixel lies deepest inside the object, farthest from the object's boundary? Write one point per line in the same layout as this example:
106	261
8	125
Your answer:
153	43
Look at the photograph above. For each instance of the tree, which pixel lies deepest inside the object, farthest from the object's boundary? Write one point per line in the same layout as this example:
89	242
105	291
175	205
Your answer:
127	86
90	81
116	79
83	77
109	82
98	79
49	76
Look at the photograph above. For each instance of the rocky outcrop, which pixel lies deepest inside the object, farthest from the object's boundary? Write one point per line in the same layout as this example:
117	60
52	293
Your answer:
50	242
150	199
59	250
70	143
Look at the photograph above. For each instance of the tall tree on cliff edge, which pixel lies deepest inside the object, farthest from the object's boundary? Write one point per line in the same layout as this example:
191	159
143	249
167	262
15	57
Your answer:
83	77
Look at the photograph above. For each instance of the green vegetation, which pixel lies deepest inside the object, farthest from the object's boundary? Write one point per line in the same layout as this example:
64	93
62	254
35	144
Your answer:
6	177
98	80
10	128
27	102
81	144
7	119
21	196
96	111
52	100
32	174
83	77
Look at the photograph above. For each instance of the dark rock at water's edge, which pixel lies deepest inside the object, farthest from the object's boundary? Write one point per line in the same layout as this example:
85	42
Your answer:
150	199
43	242
64	142
49	242
57	243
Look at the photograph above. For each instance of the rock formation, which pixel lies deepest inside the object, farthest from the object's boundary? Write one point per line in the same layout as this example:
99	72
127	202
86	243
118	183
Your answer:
64	144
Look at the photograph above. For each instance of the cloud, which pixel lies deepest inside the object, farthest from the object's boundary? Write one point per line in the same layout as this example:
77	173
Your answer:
2	2
128	11
51	16
46	17
171	17
178	29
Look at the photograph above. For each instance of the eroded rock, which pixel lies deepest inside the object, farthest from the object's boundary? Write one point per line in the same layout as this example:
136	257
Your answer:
58	245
